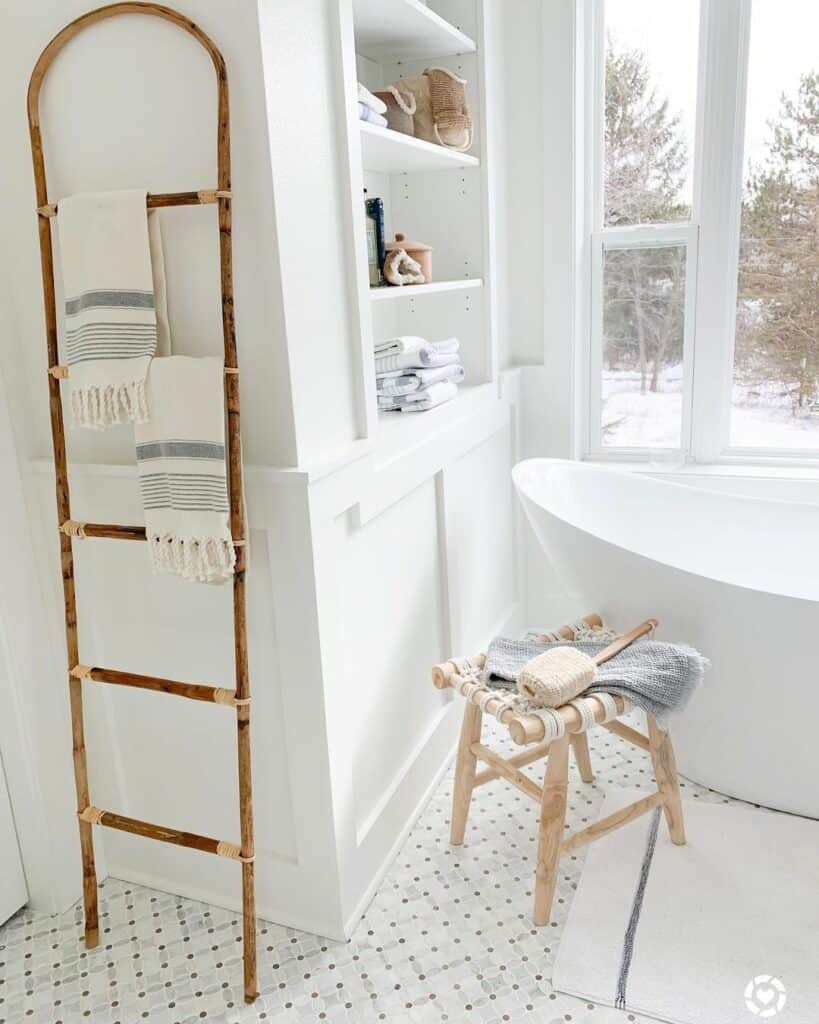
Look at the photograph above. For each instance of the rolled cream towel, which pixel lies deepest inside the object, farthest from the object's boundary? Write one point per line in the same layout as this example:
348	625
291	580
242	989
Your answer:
555	677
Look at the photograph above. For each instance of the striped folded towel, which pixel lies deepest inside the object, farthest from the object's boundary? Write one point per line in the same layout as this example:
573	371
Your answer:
428	354
109	262
420	401
403	343
182	470
407	382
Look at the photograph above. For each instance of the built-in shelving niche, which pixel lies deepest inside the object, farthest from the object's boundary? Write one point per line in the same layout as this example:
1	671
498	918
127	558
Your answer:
430	194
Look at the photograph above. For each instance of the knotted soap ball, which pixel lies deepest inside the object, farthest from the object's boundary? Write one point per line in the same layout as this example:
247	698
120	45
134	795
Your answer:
555	677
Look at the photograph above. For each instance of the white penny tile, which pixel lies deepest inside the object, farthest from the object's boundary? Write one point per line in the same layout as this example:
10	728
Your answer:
447	937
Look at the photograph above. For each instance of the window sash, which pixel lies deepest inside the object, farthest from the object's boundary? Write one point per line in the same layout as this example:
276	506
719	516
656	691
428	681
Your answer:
639	237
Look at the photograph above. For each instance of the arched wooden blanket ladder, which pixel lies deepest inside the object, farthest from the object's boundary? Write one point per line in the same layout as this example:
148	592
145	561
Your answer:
240	697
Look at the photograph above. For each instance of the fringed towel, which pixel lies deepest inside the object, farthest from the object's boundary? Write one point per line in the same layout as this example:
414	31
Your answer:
660	678
182	470
110	305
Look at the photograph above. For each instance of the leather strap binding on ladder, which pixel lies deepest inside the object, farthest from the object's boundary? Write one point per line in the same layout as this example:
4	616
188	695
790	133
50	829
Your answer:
88	815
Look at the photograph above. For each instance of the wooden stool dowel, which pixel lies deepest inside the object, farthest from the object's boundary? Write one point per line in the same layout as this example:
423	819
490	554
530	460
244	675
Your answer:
528	756
625	732
611	822
582	757
550	835
507	771
465	764
665	774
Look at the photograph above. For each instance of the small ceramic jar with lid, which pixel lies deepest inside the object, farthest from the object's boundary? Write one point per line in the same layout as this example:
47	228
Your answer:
421	253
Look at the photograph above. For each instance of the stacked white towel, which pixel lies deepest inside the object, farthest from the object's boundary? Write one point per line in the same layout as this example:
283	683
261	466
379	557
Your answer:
413	374
371	108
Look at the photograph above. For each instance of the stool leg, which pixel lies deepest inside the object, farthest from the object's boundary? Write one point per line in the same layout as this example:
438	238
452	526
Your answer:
580	749
552	820
465	765
665	772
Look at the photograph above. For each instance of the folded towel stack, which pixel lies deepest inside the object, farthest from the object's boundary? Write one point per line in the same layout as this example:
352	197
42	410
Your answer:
371	108
413	374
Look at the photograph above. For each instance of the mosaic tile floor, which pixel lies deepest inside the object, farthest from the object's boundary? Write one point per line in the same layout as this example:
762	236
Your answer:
447	937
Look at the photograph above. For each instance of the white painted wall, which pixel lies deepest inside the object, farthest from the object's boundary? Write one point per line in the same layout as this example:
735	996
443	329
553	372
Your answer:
35	728
159	107
369	560
13	892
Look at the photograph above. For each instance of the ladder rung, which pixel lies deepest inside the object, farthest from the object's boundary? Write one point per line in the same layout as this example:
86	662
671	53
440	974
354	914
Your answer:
96	816
159	199
111	531
73	528
194	691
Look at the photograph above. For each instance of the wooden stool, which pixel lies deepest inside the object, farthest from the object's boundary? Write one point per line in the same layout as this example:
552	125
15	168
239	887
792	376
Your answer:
528	730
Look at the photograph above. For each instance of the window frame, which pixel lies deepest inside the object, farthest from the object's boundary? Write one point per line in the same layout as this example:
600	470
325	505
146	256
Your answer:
641	236
711	236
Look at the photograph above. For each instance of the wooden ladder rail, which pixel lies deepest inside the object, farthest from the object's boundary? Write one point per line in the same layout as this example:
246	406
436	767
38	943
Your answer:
222	197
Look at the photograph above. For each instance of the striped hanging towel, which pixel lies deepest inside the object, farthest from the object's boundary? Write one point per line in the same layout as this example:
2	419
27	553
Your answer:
182	470
110	308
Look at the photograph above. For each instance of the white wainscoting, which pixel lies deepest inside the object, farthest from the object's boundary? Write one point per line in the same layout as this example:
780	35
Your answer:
359	581
415	561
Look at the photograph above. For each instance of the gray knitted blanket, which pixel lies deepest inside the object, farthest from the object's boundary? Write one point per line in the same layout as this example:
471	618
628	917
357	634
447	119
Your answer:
657	677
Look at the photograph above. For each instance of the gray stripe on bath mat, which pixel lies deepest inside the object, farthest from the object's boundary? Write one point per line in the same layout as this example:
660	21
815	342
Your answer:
636	907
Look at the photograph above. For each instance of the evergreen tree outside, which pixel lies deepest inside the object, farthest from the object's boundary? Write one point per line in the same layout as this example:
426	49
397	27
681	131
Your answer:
777	336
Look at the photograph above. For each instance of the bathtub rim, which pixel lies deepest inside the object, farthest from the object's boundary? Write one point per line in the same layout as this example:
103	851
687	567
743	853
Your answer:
627	470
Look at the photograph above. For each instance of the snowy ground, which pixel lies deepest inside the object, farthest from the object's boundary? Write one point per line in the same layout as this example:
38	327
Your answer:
632	420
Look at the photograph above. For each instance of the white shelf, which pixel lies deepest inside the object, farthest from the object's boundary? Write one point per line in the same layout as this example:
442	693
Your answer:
412	291
399	432
405	30
389	152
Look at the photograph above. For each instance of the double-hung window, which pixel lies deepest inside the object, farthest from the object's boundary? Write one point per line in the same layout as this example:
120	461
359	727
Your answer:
703	317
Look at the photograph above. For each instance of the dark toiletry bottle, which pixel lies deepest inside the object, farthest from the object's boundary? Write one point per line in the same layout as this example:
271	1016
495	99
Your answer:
375	218
372	244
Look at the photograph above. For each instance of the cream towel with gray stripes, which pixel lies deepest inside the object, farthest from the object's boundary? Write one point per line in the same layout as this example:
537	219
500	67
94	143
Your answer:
182	469
114	290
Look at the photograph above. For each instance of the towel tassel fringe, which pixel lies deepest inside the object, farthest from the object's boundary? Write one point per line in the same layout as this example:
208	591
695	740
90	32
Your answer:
100	406
203	559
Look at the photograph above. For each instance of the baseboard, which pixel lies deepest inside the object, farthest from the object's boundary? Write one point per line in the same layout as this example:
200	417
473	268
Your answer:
270	914
392	853
509	621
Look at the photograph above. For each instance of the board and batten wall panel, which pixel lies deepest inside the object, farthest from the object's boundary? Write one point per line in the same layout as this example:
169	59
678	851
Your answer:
390	597
416	561
481	517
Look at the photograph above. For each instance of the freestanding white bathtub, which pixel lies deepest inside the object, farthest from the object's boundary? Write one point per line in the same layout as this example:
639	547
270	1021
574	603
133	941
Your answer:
736	577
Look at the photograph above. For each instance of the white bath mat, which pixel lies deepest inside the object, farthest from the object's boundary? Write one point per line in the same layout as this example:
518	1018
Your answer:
728	928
